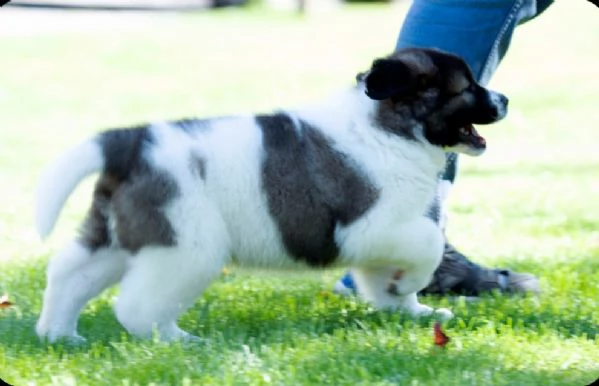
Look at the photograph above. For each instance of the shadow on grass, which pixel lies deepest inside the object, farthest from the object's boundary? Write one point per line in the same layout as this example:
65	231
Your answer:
275	310
404	366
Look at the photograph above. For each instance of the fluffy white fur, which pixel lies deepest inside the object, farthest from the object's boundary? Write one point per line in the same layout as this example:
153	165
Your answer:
227	216
58	182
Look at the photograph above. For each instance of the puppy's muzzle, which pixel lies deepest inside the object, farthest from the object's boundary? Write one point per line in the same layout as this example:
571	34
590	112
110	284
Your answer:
498	104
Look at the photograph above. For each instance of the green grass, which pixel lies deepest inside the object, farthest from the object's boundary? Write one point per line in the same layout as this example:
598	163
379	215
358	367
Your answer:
530	203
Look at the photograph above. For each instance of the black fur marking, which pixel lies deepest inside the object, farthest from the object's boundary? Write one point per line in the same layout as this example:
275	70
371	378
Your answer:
130	194
123	149
389	79
434	210
310	187
94	232
396	119
430	91
197	165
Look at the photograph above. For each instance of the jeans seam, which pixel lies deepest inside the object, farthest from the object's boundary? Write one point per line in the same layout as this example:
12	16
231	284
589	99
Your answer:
495	46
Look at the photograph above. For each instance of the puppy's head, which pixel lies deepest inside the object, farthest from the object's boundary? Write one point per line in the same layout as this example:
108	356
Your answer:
433	93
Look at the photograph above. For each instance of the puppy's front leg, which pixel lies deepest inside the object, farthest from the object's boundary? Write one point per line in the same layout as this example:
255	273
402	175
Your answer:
410	304
394	263
378	286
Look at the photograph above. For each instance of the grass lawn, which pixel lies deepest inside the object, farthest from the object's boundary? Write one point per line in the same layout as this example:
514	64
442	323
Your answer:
530	203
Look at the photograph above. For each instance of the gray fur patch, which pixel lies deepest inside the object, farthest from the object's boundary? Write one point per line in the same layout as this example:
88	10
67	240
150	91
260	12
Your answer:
129	197
94	232
396	119
310	187
138	208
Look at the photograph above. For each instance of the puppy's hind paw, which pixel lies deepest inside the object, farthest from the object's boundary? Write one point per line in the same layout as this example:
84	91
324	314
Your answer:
69	340
189	338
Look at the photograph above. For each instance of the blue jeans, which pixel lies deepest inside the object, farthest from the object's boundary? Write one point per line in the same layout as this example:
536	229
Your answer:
479	31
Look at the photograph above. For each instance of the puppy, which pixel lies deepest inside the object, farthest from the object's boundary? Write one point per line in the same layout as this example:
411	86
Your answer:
344	183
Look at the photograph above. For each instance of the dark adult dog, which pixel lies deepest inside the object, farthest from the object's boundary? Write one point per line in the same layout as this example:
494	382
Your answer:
341	183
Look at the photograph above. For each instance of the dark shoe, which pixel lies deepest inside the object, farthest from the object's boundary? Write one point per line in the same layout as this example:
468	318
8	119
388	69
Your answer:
457	274
522	282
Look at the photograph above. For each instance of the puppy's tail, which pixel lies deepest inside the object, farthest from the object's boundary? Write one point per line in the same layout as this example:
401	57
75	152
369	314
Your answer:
114	152
61	178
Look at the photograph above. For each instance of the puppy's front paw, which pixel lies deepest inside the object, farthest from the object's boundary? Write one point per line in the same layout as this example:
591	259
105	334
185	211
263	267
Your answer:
443	313
418	309
423	310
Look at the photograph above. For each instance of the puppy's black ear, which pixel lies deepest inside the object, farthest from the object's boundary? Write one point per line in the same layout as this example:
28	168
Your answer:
360	77
389	78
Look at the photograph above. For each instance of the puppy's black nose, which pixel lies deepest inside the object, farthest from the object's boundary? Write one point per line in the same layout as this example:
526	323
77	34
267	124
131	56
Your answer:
499	104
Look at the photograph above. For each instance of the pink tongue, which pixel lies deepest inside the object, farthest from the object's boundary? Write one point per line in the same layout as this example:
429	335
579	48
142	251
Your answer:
476	136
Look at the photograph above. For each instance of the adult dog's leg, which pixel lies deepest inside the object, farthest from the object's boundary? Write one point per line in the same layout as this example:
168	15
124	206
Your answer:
411	251
74	276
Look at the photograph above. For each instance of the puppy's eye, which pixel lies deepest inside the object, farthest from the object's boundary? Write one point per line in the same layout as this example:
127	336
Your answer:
469	88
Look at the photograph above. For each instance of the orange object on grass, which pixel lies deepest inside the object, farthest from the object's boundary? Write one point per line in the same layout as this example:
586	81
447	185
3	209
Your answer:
440	338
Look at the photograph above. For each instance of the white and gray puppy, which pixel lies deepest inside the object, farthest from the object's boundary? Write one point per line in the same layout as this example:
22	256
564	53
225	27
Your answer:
344	183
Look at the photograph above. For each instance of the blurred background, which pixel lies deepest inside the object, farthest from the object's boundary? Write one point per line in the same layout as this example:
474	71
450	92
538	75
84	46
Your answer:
66	73
70	68
297	5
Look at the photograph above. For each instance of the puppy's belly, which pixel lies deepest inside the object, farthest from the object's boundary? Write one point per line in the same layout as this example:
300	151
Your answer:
255	239
259	249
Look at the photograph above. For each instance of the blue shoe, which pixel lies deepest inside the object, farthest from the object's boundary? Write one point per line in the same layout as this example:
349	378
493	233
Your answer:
345	286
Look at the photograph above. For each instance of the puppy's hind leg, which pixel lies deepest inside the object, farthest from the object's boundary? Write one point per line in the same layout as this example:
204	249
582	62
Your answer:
162	283
74	276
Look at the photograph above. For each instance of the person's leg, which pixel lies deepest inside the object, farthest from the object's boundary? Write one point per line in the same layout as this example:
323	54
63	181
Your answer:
480	31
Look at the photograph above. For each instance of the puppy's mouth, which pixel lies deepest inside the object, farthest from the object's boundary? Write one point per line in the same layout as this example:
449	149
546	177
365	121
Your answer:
470	137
